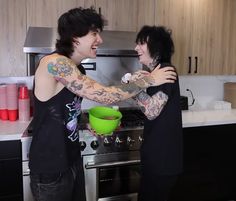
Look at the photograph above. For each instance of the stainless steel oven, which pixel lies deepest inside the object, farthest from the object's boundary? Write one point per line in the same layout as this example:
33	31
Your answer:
112	177
26	142
112	163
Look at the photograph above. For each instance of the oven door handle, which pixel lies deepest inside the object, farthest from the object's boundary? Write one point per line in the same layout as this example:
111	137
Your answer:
91	165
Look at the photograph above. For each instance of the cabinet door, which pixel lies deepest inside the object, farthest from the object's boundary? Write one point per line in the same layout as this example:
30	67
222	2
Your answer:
12	36
120	14
86	3
10	171
146	13
46	12
177	16
229	40
209	36
209	164
204	34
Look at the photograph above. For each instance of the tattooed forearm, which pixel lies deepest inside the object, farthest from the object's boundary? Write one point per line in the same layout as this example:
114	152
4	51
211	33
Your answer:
75	86
151	106
145	82
130	88
67	73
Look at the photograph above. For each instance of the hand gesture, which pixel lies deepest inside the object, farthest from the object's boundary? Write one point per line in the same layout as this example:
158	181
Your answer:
164	75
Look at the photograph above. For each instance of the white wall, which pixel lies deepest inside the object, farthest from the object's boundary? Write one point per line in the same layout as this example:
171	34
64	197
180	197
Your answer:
206	89
28	80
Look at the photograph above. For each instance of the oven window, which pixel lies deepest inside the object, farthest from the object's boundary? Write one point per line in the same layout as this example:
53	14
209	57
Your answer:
114	181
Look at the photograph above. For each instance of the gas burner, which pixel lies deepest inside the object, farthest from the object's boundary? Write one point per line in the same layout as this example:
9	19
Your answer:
132	118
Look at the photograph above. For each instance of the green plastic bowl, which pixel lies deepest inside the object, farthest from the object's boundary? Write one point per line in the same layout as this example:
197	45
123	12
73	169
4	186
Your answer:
104	120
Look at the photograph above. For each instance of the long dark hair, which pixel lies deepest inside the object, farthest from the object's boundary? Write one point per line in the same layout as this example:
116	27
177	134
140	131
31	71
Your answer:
76	22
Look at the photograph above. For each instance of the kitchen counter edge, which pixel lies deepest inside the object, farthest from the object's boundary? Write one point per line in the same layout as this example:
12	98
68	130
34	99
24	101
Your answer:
16	130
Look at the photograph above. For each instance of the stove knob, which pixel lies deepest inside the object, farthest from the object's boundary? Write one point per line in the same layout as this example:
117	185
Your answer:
107	142
82	145
118	141
130	140
94	144
140	139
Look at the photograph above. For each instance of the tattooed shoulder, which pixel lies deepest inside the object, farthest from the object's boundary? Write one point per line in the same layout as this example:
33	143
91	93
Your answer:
61	67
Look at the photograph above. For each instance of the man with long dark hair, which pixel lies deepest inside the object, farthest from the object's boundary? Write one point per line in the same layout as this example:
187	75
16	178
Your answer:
59	86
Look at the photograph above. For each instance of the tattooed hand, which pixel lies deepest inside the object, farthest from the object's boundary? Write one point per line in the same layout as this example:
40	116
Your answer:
163	75
138	75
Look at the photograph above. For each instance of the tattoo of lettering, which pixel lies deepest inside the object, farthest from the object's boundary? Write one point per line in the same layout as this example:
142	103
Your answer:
151	106
62	67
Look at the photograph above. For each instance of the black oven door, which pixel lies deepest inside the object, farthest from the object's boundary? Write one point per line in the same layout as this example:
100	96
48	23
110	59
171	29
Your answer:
114	179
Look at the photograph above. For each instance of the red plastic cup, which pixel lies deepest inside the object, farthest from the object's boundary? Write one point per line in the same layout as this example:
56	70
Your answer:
12	97
23	92
3	102
12	115
4	114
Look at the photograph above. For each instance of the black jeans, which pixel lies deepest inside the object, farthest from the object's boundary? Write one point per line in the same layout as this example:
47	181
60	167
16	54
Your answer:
66	186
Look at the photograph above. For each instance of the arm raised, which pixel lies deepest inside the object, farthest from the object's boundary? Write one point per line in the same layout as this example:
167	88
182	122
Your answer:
65	71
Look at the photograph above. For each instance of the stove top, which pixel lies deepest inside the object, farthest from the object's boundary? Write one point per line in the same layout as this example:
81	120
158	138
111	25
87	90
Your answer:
131	119
128	137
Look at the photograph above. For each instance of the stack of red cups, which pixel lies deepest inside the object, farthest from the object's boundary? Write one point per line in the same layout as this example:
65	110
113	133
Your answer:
12	101
3	102
24	104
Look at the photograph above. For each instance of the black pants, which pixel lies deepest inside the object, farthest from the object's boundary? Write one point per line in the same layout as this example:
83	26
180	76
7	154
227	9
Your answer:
66	186
156	188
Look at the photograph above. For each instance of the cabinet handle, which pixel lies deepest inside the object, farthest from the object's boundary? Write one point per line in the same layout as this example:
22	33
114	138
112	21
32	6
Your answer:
99	11
189	64
196	63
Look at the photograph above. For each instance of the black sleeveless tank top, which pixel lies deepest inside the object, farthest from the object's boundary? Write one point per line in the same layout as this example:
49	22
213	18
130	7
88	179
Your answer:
55	145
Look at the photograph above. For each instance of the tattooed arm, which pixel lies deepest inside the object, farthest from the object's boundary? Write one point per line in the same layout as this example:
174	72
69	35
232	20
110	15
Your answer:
151	106
66	72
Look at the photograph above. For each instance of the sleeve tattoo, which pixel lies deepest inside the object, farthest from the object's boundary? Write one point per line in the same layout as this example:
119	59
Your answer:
66	72
151	106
